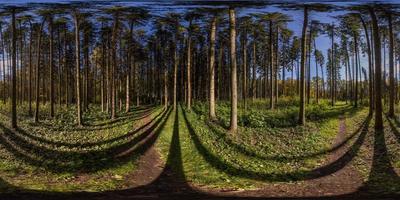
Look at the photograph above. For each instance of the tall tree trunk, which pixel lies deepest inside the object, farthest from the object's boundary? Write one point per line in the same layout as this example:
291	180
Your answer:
114	66
332	70
356	73
271	65
378	75
30	70
254	73
391	67
212	69
14	71
244	62
51	66
188	75
3	46
316	71
175	71
78	70
232	35
302	116
129	66
276	74
309	65
37	79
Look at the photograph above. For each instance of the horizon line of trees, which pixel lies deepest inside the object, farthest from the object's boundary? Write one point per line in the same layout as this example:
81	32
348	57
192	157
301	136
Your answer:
67	55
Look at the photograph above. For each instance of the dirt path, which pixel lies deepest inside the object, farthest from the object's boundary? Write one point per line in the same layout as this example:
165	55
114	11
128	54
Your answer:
345	181
155	179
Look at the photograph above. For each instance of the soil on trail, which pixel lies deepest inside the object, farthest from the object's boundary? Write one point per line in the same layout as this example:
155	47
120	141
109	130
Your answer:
156	179
345	181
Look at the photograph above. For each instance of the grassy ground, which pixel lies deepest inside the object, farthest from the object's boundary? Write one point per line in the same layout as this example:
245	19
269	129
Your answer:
56	155
378	160
259	152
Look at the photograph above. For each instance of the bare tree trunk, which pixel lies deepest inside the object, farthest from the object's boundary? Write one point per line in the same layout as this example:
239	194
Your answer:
14	75
77	71
189	81
232	34
271	65
30	69
391	67
378	75
302	116
356	73
212	114
254	76
37	96
51	66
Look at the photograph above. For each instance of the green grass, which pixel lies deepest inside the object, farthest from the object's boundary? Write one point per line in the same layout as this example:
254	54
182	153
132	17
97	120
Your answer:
254	155
56	155
379	157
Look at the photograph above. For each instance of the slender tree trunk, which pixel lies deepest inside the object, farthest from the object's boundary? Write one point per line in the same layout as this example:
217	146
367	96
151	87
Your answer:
302	117
114	66
14	71
309	66
391	67
165	89
332	70
37	80
77	71
271	65
212	69
356	73
30	70
51	66
378	75
232	31
254	74
244	62
188	75
4	64
175	72
316	71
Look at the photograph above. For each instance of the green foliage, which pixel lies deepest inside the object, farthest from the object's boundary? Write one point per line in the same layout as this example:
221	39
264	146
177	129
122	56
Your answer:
57	155
214	158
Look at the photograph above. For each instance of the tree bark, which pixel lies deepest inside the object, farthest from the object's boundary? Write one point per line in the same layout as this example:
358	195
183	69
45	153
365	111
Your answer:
391	67
14	71
51	66
378	75
302	117
232	35
77	70
212	114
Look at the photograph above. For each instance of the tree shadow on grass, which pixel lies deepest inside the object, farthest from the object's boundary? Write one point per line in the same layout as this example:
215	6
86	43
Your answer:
131	133
58	161
172	183
109	124
383	179
299	175
279	158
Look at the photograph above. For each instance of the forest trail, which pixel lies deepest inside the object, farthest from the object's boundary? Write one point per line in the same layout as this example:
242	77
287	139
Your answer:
154	179
345	181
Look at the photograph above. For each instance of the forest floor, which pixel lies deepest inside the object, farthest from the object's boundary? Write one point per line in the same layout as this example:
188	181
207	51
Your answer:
183	156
